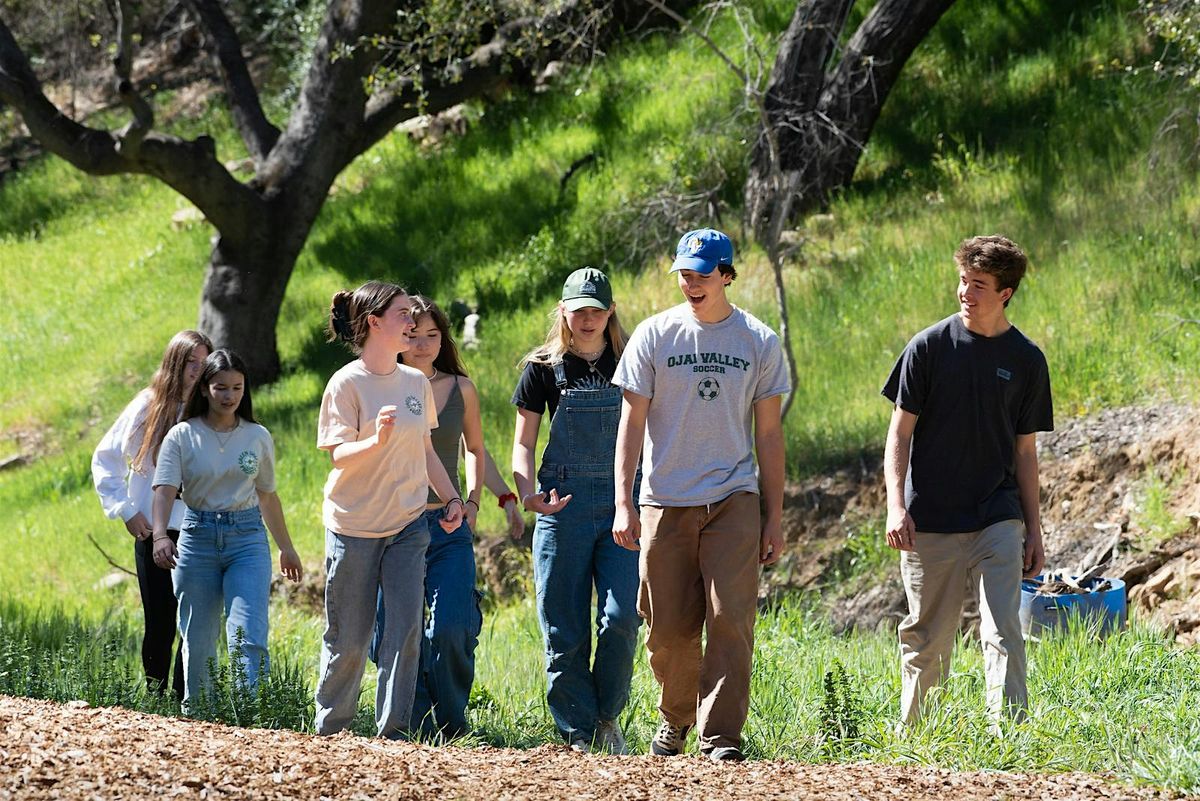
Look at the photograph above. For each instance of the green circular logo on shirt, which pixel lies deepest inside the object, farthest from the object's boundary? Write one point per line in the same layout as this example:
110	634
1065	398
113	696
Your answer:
248	461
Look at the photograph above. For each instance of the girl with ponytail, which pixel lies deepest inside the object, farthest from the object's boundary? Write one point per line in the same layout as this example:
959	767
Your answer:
375	422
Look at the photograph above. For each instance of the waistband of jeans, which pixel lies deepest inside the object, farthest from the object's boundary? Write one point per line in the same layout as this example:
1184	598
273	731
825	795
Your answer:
251	515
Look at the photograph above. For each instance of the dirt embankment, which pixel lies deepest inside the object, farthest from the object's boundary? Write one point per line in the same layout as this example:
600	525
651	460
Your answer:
51	751
1100	476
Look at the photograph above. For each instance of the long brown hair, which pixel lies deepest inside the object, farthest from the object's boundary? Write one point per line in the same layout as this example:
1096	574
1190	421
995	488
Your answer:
348	312
166	394
448	360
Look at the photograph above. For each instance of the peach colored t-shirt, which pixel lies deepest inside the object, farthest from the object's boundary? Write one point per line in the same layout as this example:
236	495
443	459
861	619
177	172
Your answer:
380	492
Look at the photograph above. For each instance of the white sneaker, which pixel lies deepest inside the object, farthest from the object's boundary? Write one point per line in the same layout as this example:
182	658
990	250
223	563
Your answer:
609	738
580	746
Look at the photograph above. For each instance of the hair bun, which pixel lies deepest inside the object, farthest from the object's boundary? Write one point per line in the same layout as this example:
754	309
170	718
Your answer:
340	316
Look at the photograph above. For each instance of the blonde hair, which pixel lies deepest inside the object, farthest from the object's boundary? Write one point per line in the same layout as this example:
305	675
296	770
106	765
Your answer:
558	339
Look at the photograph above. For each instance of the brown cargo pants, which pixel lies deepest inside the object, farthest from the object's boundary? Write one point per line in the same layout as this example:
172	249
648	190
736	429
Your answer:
699	573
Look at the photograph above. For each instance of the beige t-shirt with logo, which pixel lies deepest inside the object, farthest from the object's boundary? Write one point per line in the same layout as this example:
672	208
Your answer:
218	472
380	492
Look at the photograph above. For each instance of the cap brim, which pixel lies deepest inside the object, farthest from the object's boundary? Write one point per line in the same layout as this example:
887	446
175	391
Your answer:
696	265
575	304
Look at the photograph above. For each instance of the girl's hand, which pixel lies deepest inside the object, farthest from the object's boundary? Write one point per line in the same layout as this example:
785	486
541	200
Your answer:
471	511
516	520
385	422
452	515
289	564
164	552
138	526
536	502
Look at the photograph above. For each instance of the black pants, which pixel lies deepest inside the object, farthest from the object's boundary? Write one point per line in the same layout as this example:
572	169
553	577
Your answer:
158	607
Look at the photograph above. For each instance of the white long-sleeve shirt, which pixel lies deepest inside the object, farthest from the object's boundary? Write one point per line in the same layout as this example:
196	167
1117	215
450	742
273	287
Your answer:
123	491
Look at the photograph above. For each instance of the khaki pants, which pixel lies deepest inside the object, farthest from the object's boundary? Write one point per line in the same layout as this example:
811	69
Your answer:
935	576
699	573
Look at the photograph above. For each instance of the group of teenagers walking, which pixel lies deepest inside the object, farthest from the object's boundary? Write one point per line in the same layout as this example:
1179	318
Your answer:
658	497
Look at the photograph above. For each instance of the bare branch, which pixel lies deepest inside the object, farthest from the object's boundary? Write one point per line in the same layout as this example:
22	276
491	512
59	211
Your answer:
259	134
129	138
704	37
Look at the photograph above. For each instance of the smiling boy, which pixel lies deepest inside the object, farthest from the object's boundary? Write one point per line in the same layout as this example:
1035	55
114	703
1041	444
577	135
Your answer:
961	468
703	383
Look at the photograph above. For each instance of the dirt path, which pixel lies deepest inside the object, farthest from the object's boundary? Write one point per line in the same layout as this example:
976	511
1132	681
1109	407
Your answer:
65	752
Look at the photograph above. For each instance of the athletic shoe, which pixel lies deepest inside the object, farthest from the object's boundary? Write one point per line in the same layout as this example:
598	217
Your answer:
580	745
726	753
669	740
609	738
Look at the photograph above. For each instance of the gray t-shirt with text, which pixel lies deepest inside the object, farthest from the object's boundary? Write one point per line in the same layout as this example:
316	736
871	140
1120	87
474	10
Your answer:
703	380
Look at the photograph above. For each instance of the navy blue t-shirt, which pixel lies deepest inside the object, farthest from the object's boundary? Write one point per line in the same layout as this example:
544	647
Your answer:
972	395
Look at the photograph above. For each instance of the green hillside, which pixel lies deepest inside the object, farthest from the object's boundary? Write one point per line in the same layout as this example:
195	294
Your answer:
1038	119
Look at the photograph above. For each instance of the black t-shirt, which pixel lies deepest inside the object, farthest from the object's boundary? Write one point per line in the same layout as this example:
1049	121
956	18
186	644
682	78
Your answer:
973	395
537	392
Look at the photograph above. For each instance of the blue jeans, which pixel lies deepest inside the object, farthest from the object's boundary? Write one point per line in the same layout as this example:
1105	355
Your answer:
574	551
451	631
357	570
223	562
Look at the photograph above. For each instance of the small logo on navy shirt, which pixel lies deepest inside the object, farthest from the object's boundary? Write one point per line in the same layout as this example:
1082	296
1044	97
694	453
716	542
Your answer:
1002	373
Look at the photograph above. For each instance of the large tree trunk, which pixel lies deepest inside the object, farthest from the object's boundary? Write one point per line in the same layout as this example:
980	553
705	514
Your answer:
243	292
820	118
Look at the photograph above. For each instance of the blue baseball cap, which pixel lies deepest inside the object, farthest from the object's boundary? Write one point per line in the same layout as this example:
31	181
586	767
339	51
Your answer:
702	250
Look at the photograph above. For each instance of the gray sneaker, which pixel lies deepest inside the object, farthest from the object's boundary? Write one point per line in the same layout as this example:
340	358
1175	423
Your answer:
726	753
669	740
609	738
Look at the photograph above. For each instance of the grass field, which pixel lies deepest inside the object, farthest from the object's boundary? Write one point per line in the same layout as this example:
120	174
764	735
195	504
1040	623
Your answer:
1016	116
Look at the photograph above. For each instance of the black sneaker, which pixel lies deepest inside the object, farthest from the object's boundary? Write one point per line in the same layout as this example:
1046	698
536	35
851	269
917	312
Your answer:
669	740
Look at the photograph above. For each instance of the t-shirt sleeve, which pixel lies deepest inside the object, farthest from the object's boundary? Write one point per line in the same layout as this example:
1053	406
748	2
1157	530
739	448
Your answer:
265	480
635	371
1037	407
530	393
169	469
772	371
907	385
338	421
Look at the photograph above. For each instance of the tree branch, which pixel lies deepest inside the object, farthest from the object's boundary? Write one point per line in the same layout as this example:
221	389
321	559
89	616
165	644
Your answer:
129	138
259	134
189	167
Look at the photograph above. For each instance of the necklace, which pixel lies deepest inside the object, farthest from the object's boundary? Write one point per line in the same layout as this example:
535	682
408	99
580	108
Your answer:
435	374
588	355
221	443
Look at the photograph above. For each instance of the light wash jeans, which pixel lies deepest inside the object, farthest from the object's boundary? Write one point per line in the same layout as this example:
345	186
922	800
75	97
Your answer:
223	561
358	570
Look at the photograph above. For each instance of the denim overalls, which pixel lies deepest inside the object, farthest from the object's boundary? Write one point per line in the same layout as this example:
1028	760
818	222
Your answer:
574	551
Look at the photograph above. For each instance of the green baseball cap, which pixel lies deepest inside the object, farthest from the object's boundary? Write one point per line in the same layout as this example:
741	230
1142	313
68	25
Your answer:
587	287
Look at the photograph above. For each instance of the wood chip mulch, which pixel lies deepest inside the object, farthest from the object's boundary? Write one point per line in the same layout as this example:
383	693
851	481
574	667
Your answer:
56	751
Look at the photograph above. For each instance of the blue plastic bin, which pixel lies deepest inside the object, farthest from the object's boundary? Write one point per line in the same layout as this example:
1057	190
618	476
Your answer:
1040	612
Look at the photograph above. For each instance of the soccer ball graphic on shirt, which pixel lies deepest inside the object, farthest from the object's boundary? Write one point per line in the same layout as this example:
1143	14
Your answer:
708	389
